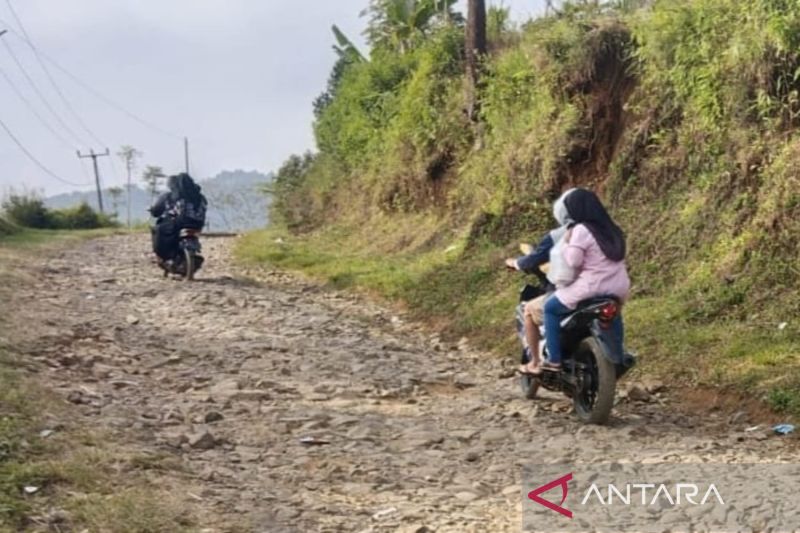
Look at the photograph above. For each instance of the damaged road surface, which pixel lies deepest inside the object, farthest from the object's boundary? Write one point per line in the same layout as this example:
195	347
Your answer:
291	408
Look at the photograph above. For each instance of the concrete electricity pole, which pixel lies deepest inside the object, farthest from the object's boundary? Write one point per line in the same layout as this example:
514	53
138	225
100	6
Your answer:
94	157
186	152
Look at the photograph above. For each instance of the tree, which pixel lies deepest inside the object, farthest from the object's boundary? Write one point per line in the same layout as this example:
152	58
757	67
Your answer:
151	176
348	55
116	195
475	50
345	47
400	24
497	23
129	155
290	204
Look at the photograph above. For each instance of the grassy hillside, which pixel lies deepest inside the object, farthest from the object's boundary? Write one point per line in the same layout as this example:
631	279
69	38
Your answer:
683	115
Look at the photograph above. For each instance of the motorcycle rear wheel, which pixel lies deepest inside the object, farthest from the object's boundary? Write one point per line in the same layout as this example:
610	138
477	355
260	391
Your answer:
190	264
594	401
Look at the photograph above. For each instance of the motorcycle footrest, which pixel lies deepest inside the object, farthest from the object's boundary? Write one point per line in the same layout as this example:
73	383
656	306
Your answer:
570	379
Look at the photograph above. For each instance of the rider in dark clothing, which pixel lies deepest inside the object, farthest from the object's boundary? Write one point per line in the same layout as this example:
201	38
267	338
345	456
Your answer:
537	257
174	211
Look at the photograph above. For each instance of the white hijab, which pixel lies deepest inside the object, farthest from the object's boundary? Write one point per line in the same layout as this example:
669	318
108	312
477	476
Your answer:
562	216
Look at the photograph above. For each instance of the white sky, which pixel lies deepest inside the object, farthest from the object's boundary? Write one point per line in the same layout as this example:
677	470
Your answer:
235	76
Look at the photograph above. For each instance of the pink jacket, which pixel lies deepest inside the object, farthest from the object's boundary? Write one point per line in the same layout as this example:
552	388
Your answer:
597	275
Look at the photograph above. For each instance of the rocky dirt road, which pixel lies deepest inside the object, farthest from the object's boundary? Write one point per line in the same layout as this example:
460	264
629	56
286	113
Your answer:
295	409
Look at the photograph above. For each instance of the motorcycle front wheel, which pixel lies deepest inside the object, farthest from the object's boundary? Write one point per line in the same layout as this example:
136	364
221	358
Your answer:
594	398
529	386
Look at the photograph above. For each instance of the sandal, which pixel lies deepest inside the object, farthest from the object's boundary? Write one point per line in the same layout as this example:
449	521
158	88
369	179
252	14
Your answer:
525	370
551	367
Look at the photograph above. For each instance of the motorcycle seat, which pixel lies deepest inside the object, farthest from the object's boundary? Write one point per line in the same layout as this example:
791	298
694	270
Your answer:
590	304
597	300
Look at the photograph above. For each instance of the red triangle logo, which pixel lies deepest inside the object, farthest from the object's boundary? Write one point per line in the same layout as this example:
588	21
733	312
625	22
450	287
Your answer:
563	483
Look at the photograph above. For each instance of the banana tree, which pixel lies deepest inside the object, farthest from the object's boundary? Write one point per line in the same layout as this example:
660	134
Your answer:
345	48
398	24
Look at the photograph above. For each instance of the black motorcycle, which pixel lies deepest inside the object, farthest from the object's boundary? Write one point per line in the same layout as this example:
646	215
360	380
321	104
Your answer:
593	358
188	259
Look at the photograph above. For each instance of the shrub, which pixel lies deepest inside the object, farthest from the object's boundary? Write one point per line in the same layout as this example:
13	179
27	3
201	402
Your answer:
7	228
28	210
80	217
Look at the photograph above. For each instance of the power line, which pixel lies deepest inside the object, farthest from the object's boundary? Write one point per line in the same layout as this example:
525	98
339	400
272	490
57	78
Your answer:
111	102
94	92
52	80
39	93
36	161
33	110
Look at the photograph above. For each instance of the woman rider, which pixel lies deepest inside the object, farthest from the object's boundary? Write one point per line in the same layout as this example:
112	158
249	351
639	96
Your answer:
595	248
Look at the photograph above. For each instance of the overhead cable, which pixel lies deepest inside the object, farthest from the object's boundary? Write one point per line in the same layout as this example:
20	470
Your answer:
35	160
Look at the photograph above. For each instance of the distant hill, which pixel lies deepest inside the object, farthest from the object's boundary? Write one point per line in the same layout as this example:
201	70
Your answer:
235	202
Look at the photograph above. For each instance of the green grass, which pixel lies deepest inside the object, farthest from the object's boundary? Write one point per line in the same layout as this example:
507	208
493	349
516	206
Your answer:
17	418
756	358
132	511
467	293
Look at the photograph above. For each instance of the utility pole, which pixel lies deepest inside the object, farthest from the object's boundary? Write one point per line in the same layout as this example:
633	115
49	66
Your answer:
475	52
94	157
186	152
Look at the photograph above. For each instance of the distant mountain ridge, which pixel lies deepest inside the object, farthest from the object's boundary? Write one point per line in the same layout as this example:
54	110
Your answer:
235	200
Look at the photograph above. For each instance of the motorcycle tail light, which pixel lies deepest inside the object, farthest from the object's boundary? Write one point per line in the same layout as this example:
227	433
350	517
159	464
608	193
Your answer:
609	312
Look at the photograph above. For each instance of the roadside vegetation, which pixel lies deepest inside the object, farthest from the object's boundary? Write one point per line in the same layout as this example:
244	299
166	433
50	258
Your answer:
682	114
28	210
7	228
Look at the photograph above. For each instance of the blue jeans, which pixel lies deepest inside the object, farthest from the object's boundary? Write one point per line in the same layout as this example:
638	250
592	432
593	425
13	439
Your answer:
554	313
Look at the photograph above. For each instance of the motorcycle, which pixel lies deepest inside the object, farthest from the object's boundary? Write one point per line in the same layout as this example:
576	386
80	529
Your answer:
188	260
593	358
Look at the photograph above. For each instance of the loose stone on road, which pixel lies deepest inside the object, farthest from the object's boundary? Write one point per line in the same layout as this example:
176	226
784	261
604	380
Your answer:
292	408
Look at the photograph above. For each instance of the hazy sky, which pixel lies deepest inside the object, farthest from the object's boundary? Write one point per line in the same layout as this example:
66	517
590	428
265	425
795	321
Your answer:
235	76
